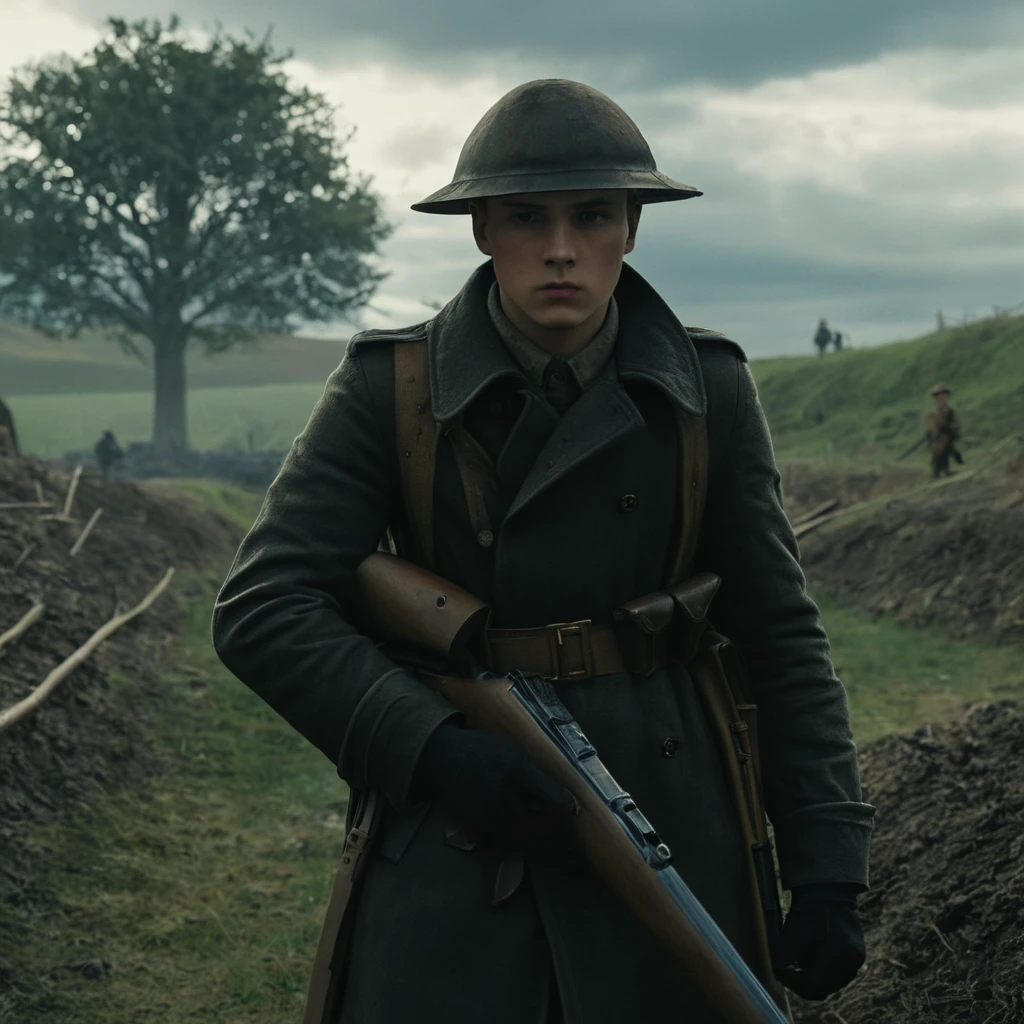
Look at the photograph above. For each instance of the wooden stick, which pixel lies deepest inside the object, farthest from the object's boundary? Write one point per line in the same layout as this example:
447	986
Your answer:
66	514
86	530
818	510
9	506
70	663
39	493
20	560
32	615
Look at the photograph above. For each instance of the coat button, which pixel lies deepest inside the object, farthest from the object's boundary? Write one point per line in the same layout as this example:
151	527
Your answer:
628	502
485	538
670	747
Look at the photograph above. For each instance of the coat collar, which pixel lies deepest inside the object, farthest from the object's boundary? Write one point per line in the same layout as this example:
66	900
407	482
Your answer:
466	354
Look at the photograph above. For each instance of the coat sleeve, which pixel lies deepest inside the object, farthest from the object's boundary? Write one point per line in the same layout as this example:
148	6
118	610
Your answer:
811	779
281	620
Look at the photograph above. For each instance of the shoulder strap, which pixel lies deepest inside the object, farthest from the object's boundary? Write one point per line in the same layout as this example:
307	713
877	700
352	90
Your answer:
416	439
693	484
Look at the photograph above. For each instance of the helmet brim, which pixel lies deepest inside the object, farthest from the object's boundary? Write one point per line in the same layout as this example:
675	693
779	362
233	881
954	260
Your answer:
650	187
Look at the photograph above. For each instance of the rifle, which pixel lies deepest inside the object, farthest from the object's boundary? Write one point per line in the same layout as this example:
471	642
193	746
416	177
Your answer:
913	448
403	602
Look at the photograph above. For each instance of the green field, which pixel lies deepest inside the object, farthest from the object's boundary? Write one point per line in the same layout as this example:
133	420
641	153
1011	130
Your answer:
855	406
219	418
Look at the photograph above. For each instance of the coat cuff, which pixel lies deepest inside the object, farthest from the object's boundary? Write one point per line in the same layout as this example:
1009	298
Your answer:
387	733
825	843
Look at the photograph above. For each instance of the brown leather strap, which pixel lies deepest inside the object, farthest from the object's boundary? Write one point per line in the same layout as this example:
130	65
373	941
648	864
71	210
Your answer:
321	991
693	485
416	438
563	650
475	468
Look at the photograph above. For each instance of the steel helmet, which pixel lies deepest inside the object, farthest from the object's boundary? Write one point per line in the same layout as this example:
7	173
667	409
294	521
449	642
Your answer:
553	135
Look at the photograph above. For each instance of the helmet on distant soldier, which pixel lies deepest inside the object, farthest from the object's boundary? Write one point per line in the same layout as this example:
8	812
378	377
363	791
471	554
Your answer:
939	389
553	135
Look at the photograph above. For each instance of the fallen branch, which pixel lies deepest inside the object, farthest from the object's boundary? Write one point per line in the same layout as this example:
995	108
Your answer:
75	477
10	506
32	615
20	560
39	493
818	510
86	530
70	663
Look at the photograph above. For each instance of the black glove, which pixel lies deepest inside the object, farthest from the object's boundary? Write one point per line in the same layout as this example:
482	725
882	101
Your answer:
493	788
821	946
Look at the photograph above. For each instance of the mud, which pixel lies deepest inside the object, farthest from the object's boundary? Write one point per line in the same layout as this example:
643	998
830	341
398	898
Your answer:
92	730
945	917
949	557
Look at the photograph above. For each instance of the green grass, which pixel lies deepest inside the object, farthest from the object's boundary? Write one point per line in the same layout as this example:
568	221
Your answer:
205	893
235	504
899	678
868	405
268	417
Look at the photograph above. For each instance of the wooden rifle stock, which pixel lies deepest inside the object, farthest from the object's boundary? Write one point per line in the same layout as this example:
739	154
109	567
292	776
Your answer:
633	863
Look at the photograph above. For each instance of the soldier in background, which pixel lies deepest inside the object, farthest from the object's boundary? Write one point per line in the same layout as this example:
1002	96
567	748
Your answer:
8	435
943	429
823	336
109	454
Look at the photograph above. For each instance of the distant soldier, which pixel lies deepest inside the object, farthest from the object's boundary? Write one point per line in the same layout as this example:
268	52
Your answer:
8	435
822	337
109	454
943	429
837	341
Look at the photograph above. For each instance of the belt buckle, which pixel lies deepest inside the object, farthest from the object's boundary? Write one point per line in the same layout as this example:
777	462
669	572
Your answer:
577	633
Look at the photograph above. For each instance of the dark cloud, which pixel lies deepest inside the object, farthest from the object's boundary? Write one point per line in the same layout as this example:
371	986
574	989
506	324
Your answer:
660	41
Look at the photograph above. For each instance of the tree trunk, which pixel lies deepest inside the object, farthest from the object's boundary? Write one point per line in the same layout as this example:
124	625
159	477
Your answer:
170	428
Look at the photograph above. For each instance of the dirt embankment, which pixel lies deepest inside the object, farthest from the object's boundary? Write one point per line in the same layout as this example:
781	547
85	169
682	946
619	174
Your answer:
945	917
88	732
805	486
949	557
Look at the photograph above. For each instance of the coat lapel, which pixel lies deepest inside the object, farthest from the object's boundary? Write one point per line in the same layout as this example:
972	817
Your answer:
599	417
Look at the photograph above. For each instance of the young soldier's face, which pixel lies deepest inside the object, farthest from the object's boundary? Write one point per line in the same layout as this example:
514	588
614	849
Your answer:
557	255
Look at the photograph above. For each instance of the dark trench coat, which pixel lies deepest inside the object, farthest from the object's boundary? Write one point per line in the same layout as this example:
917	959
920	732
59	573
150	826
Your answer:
428	945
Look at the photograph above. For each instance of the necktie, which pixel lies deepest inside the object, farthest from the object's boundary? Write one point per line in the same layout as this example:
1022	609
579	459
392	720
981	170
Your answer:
560	386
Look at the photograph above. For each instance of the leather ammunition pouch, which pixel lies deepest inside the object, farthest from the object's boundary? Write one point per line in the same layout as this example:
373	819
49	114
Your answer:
639	640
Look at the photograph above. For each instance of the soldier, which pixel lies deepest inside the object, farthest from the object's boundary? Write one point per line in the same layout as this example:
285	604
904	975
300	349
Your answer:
822	337
8	435
571	376
943	429
109	454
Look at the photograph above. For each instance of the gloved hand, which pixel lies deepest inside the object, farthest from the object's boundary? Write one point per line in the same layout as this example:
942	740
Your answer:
492	787
821	946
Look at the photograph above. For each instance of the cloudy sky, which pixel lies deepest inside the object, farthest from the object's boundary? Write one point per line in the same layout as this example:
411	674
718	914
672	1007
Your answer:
862	162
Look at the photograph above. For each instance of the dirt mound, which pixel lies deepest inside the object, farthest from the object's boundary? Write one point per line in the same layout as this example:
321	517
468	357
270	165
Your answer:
89	731
805	486
945	917
948	556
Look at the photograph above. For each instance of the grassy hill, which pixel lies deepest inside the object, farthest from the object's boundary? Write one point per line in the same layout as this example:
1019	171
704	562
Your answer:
32	364
868	404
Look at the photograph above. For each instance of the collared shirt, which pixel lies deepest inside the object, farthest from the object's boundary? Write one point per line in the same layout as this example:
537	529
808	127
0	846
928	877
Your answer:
586	364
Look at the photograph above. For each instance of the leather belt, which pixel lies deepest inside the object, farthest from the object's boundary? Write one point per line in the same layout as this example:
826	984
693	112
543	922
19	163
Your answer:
564	650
